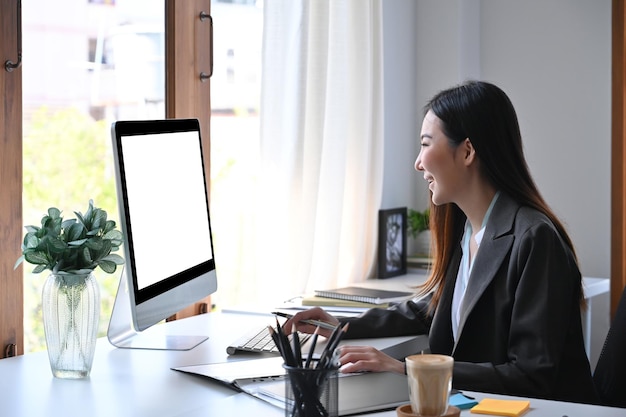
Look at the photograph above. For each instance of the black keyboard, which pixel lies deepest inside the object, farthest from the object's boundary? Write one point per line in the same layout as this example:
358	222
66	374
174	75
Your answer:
259	341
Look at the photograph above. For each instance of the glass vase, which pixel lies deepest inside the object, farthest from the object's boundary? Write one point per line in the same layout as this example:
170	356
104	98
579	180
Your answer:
71	311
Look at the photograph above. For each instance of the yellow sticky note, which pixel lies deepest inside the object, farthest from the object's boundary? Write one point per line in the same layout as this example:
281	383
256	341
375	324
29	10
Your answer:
495	407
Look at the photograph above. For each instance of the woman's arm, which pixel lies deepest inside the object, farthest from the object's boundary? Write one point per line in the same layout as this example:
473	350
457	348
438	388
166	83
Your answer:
407	318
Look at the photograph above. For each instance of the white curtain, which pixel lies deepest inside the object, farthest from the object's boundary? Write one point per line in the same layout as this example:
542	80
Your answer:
321	149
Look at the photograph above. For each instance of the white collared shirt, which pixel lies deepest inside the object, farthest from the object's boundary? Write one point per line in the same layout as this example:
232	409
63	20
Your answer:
465	268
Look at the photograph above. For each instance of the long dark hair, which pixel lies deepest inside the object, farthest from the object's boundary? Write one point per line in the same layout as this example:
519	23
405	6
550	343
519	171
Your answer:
483	113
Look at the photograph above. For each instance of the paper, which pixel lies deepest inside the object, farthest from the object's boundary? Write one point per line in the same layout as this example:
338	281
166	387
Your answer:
495	407
461	401
237	372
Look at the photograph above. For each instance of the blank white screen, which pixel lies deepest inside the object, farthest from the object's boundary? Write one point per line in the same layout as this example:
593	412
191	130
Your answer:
166	204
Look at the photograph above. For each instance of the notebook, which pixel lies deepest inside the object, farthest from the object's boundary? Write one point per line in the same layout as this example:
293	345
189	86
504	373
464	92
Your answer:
314	300
365	295
264	378
358	393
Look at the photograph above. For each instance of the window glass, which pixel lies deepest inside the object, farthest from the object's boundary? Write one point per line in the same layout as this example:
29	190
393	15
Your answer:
85	64
235	99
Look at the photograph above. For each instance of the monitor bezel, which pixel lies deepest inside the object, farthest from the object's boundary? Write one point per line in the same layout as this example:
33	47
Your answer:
158	301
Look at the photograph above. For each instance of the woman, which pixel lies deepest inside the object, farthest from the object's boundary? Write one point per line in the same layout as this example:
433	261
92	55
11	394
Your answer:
505	290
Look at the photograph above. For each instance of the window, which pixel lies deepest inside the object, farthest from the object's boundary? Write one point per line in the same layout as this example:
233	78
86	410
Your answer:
102	62
235	100
113	69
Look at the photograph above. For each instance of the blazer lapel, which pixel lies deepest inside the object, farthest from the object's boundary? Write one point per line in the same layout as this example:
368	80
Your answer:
494	247
441	327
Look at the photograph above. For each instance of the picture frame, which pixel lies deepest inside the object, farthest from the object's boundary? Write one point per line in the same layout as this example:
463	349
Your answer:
392	229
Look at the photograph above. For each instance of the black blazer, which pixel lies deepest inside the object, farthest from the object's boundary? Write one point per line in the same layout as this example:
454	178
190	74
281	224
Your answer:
520	329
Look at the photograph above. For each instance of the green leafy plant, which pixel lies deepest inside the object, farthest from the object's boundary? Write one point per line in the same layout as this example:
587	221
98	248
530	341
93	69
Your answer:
417	221
73	246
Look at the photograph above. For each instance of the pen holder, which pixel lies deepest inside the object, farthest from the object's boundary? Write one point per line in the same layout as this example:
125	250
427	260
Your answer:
311	392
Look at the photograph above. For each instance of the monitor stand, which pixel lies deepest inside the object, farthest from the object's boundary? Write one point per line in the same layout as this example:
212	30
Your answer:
122	332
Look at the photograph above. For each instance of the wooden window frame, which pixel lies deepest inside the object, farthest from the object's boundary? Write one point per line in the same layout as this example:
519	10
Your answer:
11	280
188	53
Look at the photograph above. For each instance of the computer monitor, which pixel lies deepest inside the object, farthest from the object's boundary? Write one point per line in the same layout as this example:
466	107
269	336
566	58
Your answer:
164	215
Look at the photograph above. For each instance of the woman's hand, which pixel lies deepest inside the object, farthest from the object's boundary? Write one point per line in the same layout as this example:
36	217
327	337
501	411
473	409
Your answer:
351	358
367	358
315	313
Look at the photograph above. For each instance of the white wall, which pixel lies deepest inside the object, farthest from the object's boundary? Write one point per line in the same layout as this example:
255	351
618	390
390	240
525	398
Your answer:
401	102
553	58
559	76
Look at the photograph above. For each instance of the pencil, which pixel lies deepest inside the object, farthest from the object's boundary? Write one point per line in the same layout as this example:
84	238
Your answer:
275	339
285	348
333	341
295	341
317	323
312	347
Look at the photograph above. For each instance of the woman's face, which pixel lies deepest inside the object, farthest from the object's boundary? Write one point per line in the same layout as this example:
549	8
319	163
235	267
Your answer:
442	164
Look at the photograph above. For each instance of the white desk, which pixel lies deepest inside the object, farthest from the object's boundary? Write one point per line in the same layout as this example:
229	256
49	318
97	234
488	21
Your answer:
140	382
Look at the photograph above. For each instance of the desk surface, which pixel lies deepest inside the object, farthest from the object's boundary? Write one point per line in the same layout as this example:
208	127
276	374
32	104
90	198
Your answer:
126	382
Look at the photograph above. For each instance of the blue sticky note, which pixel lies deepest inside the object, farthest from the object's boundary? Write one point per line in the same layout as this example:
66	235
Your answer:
461	401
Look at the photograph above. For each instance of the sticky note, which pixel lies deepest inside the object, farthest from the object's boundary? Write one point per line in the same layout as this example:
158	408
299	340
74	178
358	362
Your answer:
495	407
461	401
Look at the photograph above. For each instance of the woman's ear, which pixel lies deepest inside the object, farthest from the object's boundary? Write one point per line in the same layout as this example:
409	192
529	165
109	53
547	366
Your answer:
469	152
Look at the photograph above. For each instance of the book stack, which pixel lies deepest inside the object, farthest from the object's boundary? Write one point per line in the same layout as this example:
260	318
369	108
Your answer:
314	300
417	261
356	297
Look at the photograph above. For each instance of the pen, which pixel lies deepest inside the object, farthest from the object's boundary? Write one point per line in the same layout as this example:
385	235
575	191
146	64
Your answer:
319	323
